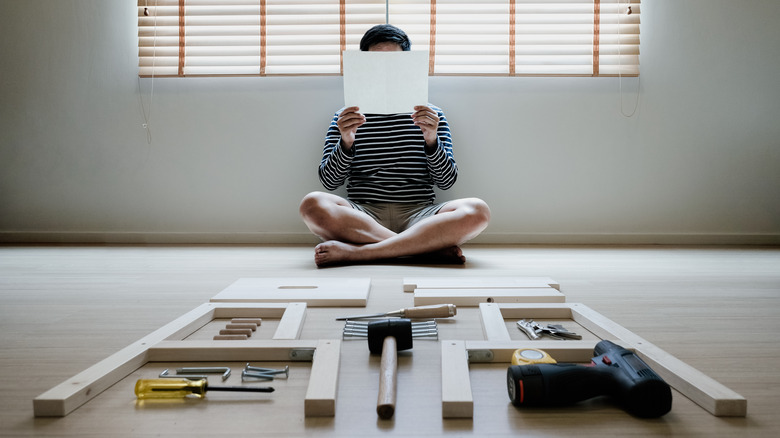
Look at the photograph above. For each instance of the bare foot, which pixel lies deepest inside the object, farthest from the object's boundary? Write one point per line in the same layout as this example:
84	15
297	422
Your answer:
334	252
447	256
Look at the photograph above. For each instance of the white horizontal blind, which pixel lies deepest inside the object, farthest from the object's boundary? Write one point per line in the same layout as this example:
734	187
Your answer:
619	38
293	37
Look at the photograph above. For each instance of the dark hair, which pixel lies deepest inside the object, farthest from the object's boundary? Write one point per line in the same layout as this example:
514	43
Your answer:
384	33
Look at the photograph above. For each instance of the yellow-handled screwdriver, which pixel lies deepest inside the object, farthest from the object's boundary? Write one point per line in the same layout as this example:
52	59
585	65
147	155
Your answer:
180	388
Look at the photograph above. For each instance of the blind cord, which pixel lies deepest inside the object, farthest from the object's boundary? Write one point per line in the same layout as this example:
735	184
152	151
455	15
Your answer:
620	69
148	117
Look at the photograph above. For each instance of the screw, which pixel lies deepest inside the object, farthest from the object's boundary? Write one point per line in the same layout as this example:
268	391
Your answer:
248	375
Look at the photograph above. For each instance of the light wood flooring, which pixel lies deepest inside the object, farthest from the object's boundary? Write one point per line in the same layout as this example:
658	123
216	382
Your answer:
64	308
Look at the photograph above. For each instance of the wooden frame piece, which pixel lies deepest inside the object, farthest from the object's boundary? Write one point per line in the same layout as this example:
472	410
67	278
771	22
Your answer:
698	387
315	292
456	398
413	283
470	292
168	344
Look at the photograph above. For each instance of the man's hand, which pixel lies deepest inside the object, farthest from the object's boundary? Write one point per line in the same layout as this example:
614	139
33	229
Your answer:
349	121
428	121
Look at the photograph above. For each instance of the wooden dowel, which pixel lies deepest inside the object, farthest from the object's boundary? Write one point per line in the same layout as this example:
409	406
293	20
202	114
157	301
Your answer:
245	332
252	327
256	321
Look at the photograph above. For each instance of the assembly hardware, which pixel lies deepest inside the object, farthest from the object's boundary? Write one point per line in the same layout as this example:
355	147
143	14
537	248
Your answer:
249	375
534	330
270	371
420	329
165	374
302	354
225	371
480	356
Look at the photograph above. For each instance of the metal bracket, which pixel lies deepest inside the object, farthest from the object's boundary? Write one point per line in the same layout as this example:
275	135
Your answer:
480	356
302	354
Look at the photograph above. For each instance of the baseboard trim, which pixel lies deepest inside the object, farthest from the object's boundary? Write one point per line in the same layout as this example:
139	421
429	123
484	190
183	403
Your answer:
261	238
629	239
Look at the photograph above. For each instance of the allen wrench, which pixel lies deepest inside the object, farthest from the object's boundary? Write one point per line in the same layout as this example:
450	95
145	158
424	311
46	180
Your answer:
225	371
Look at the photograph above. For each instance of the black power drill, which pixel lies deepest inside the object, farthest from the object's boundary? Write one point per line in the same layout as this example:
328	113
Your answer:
614	371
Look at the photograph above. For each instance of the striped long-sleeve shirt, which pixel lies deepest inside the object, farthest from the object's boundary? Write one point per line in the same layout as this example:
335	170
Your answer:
388	161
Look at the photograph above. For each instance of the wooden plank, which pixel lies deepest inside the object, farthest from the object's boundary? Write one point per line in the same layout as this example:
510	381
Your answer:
472	297
535	310
320	398
413	283
228	351
572	351
83	387
493	326
714	397
457	400
291	324
315	292
249	310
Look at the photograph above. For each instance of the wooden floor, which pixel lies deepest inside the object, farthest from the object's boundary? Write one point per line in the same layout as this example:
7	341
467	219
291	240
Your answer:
62	309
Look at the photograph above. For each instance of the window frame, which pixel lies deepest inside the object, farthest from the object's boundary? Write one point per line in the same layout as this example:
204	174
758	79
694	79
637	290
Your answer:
169	37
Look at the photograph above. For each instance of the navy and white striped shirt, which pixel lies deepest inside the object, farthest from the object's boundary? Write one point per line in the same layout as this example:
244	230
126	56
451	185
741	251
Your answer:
388	162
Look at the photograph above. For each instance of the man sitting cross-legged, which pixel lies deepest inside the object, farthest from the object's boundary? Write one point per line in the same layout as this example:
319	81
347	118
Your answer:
391	162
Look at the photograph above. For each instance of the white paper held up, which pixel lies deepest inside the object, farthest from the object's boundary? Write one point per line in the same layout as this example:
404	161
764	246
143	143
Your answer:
385	82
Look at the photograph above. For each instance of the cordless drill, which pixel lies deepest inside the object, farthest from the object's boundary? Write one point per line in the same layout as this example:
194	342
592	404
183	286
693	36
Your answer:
614	371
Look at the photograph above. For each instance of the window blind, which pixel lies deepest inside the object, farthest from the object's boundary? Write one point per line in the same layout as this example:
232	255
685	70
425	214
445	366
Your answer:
300	37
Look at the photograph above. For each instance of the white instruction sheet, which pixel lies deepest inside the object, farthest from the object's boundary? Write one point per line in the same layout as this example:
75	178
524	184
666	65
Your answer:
385	82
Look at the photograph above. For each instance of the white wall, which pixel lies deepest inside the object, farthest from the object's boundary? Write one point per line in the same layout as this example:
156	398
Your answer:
231	158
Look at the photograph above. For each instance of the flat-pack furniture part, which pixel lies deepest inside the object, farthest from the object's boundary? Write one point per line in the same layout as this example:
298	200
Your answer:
457	401
315	291
167	345
471	291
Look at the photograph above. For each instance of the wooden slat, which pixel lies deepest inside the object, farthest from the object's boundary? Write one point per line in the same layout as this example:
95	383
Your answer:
493	326
571	351
324	381
411	284
473	297
714	397
456	398
291	325
536	310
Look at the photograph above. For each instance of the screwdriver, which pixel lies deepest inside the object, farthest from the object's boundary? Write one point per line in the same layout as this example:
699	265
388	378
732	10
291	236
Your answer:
180	388
434	311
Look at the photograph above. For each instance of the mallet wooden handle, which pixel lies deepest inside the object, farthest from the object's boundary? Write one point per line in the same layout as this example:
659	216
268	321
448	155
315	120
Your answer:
385	404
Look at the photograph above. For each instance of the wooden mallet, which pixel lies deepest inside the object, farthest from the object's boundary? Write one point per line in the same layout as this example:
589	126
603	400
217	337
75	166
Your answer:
388	337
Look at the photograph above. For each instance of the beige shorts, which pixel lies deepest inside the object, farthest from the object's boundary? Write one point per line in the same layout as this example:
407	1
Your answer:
397	217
